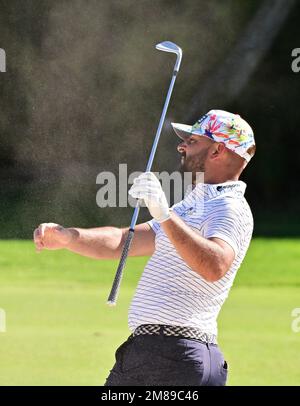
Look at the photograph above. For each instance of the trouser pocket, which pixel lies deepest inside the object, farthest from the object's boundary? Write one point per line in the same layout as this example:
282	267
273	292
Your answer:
219	368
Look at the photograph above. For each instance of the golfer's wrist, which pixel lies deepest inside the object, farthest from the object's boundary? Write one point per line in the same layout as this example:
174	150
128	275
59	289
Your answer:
166	216
73	237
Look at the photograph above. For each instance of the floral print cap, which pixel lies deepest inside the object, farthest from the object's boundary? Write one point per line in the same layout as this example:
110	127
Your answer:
221	126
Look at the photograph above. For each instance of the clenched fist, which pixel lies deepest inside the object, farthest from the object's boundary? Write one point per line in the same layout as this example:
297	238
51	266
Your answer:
51	236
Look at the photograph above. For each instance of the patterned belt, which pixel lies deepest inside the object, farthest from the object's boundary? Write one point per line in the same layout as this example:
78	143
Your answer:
175	331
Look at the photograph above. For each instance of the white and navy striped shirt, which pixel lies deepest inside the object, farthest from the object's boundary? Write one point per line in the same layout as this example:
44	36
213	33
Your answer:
169	291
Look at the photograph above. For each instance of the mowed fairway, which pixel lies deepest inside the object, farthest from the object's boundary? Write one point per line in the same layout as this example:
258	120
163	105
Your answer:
61	332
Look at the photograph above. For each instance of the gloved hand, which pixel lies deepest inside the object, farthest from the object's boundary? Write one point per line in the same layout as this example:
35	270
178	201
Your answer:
147	187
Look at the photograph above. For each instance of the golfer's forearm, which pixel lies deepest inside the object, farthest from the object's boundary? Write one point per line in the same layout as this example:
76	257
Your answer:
200	254
98	243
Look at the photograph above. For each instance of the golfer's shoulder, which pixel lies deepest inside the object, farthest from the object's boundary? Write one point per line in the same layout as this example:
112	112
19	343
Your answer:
233	206
239	208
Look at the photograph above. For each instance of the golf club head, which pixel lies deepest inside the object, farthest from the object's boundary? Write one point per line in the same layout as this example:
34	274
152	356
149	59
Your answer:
168	46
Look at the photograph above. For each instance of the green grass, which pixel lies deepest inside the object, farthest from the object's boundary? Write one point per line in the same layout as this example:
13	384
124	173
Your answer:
60	331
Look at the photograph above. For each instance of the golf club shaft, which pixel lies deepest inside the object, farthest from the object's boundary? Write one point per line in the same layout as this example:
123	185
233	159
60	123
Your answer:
112	299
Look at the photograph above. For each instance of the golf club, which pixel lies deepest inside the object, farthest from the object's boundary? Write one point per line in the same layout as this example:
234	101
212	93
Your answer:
166	46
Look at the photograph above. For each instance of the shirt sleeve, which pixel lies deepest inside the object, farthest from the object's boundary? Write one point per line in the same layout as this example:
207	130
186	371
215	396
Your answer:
154	225
226	221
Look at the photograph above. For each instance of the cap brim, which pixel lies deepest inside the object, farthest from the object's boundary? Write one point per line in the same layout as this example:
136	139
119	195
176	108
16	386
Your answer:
182	130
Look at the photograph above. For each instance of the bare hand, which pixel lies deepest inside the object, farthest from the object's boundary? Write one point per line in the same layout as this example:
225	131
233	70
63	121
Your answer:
51	236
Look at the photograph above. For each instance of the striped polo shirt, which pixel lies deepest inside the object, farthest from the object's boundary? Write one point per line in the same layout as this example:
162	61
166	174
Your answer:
169	291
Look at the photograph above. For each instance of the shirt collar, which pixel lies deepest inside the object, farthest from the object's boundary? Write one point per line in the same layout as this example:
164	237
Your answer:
210	191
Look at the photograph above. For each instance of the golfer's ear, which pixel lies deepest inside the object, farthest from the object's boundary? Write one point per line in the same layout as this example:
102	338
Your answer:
218	149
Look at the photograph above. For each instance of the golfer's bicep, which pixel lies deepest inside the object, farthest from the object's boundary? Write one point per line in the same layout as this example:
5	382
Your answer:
143	243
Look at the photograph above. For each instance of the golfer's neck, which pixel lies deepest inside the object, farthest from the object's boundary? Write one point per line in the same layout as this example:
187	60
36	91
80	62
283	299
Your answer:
217	178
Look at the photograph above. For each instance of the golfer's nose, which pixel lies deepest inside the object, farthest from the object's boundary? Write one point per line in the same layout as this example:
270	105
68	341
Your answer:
181	147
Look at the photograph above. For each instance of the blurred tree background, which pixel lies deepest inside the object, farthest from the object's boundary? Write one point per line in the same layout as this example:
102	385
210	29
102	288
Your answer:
84	90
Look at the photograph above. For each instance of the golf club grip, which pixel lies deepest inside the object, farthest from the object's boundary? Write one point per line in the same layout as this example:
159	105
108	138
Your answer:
112	298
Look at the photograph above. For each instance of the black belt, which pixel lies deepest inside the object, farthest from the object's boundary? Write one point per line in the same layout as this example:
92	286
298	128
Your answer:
175	331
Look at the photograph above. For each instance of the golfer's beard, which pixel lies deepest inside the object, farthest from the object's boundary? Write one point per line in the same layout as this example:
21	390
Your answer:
193	165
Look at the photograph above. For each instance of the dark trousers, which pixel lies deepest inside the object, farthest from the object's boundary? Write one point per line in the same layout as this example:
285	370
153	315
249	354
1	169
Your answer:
158	360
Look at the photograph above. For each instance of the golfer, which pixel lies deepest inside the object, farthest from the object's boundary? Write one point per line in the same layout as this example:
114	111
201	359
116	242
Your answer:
195	249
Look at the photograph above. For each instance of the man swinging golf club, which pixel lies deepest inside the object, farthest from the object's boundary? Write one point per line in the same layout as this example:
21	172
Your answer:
196	248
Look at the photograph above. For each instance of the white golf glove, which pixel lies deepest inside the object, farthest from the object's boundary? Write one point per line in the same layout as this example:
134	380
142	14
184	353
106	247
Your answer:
147	187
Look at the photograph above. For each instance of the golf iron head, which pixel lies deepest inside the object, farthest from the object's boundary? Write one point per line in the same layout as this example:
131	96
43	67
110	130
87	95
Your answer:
168	46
